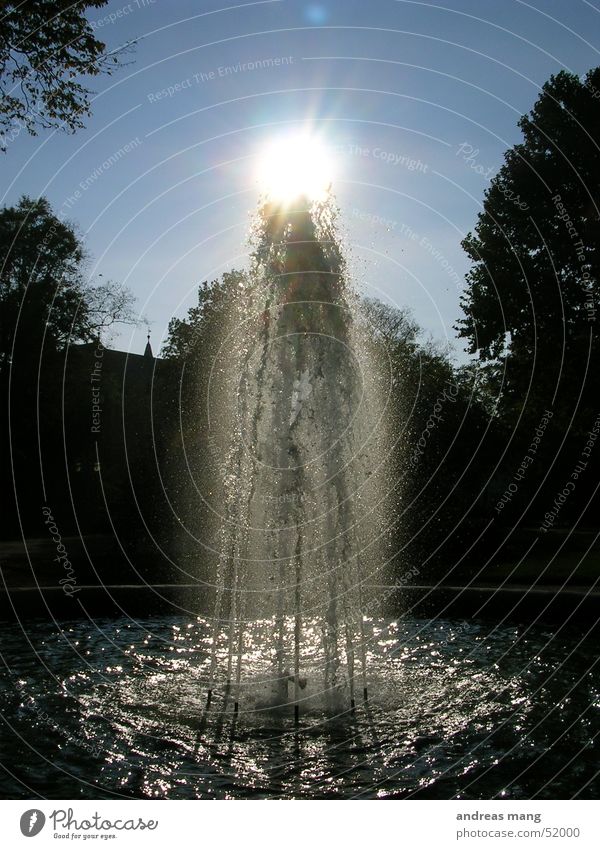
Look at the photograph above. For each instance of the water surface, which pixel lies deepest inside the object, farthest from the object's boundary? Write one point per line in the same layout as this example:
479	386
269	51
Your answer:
115	708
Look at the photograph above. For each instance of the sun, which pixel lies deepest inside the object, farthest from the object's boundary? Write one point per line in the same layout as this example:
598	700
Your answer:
293	166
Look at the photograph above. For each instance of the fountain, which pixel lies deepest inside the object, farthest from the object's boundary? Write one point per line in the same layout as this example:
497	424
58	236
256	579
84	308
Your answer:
284	424
295	410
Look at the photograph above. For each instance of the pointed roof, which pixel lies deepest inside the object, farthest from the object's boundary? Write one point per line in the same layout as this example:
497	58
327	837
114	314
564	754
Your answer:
148	348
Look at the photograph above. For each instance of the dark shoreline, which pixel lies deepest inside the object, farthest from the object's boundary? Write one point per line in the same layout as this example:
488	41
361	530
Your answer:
550	604
110	577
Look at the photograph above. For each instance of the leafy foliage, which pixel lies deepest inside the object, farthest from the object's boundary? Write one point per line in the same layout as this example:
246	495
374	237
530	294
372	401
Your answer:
188	337
44	297
46	47
529	309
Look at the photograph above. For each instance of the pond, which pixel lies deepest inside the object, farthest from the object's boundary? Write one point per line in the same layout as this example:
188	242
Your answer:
115	708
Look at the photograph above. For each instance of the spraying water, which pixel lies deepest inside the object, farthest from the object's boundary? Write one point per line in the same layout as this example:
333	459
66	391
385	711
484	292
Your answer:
297	415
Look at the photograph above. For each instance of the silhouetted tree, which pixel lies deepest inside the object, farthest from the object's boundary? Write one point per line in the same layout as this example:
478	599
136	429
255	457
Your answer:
46	47
530	305
45	299
190	337
45	304
530	308
444	432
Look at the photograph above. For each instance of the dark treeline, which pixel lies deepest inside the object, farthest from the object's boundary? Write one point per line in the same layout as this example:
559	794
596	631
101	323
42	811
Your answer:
489	457
53	323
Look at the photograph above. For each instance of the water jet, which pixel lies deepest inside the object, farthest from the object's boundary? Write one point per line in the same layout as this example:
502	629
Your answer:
299	417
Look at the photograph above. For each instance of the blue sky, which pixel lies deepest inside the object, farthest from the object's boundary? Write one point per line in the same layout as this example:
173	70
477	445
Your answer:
394	87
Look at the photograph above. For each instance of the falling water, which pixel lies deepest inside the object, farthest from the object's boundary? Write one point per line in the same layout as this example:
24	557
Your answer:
296	413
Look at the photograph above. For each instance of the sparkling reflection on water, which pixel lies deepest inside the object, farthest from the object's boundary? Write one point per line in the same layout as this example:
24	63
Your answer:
116	708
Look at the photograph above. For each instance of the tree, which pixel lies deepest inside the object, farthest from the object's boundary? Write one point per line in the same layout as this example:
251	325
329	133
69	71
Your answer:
530	309
46	47
44	297
535	277
46	303
190	337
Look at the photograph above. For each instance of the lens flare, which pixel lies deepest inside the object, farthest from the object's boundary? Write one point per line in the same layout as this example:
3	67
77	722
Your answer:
293	166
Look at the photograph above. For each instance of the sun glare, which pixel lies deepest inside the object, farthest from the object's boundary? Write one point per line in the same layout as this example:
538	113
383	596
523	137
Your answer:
295	165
